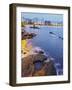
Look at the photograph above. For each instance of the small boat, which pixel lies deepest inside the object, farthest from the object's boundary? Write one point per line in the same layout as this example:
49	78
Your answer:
56	35
52	33
60	37
34	27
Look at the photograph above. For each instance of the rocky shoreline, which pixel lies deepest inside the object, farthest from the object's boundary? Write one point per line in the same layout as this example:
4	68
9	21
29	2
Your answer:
37	64
34	60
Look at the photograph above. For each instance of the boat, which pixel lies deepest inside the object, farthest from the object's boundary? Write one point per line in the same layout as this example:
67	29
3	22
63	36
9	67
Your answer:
56	35
60	37
34	27
52	33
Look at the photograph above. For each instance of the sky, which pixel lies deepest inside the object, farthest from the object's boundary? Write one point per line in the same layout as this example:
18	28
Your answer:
42	16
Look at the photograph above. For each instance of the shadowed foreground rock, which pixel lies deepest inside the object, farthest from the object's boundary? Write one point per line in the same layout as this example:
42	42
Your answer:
36	65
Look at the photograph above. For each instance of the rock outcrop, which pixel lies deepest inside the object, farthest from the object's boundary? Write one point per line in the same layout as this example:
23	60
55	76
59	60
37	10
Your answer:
37	65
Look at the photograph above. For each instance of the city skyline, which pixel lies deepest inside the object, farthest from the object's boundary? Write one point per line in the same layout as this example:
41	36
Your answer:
42	16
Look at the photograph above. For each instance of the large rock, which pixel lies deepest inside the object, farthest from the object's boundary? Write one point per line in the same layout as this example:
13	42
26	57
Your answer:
29	68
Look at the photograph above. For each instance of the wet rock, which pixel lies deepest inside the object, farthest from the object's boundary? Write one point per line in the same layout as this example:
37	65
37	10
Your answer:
50	68
27	67
40	57
36	65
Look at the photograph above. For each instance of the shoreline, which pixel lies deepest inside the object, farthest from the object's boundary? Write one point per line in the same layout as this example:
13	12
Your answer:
44	26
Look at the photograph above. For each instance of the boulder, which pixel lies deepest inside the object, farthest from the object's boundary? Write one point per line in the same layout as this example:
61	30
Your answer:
36	65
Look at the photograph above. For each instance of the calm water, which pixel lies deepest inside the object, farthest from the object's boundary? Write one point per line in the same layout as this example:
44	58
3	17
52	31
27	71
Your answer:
50	43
